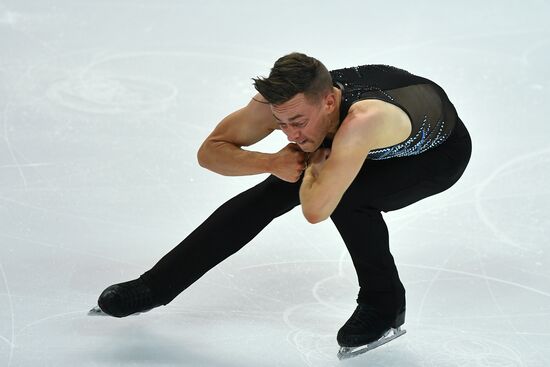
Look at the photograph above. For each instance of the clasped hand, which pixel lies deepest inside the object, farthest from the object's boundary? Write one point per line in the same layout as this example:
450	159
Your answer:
316	161
290	162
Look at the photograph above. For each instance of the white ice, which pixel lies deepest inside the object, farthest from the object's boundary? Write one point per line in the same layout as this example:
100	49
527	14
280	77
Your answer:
103	105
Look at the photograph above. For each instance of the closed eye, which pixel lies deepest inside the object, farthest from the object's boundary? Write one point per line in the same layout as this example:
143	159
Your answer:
299	124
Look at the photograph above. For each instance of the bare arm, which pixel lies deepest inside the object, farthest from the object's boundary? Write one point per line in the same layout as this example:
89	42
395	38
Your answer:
332	171
222	151
368	125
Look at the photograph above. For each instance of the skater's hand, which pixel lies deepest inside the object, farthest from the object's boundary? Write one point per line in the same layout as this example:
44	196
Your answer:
289	163
317	160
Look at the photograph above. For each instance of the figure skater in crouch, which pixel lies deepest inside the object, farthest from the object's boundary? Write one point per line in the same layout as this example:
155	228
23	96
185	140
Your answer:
363	140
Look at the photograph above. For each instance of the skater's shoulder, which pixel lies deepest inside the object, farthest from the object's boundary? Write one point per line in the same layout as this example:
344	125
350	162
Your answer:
375	123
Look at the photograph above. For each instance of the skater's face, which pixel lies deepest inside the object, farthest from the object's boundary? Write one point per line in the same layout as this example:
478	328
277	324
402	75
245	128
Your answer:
306	122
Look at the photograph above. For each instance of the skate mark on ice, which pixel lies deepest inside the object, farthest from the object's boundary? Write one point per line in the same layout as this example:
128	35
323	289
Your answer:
101	93
444	42
10	104
104	87
513	164
315	292
81	314
468	350
11	19
36	164
92	91
317	285
6	340
432	282
70	250
11	149
305	341
249	295
100	168
489	317
313	343
480	276
496	303
10	341
316	343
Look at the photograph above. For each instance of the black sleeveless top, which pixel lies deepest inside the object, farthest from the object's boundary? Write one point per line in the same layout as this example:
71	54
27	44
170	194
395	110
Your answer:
432	115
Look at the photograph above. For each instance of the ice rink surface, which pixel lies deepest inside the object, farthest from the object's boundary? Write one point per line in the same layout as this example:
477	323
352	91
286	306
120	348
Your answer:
103	105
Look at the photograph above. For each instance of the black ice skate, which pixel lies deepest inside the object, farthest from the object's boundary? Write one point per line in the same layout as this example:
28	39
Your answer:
367	329
123	299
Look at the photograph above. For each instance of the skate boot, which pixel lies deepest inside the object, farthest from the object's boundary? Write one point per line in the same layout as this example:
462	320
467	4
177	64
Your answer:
123	299
368	328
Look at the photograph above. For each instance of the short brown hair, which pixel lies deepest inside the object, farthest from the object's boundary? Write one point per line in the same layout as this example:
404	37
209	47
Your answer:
292	74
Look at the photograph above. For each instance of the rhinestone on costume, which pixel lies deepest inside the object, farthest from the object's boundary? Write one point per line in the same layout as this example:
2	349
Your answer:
360	83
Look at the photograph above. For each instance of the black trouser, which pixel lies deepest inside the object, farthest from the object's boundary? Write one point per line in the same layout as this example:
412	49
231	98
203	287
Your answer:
382	185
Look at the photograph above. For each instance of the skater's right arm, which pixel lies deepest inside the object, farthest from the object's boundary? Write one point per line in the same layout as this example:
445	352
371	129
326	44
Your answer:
222	151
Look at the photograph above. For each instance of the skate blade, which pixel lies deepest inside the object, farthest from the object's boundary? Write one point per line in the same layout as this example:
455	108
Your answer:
96	311
349	352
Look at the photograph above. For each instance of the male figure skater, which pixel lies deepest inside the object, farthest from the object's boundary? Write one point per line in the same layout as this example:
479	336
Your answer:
363	140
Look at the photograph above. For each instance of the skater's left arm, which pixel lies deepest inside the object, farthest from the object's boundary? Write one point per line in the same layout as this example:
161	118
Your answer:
331	172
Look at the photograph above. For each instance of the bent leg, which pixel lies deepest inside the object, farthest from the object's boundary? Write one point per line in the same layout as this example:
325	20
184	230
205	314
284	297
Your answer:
366	237
388	185
223	233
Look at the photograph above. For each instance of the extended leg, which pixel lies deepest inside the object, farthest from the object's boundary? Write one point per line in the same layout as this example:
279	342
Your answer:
222	234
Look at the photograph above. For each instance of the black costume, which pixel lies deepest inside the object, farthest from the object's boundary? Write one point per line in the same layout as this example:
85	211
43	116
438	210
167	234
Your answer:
430	161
